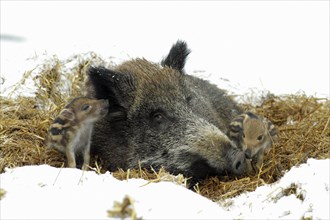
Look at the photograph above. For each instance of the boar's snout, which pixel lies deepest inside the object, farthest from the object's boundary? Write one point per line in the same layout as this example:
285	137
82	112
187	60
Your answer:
239	165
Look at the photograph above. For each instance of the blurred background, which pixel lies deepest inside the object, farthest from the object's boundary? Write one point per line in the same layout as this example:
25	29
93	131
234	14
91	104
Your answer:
280	46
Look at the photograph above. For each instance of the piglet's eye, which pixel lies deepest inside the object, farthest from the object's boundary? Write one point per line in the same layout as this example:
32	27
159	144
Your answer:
85	107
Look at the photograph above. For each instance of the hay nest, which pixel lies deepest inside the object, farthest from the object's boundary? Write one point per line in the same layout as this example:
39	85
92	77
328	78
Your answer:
303	122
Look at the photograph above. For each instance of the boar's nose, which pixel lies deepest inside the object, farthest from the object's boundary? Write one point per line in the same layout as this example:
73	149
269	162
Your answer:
248	153
239	165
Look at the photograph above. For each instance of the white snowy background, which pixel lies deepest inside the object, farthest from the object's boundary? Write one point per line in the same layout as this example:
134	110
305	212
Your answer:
280	46
44	192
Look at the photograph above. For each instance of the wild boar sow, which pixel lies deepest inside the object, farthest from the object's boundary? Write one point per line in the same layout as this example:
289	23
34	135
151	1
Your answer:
160	116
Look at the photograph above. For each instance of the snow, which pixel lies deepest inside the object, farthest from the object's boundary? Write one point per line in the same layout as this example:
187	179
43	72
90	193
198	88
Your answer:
78	195
312	182
241	46
280	46
43	192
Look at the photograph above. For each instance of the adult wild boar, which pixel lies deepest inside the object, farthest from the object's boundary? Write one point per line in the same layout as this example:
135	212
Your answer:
160	116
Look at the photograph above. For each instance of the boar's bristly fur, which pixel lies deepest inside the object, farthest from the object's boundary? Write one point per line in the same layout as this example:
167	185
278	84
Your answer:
162	117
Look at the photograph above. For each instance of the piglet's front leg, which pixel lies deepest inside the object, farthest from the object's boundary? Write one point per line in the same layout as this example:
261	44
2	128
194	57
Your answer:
70	157
86	156
257	160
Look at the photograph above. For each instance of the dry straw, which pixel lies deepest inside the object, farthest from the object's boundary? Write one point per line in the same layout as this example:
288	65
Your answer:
303	122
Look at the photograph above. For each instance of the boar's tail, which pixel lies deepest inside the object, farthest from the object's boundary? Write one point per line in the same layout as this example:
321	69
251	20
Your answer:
177	56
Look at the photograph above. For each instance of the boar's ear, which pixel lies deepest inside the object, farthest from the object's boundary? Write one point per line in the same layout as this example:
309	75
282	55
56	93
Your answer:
177	56
117	87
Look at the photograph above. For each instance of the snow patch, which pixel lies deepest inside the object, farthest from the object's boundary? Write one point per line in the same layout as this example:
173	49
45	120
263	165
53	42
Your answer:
43	192
302	192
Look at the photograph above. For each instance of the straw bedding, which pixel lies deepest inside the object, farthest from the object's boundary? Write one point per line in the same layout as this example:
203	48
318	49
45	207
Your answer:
303	123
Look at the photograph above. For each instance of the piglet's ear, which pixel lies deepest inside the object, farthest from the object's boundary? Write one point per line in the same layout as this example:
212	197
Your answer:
67	114
115	86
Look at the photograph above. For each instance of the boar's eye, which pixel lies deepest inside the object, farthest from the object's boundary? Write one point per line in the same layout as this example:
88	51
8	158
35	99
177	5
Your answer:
85	107
259	138
188	99
158	116
158	120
